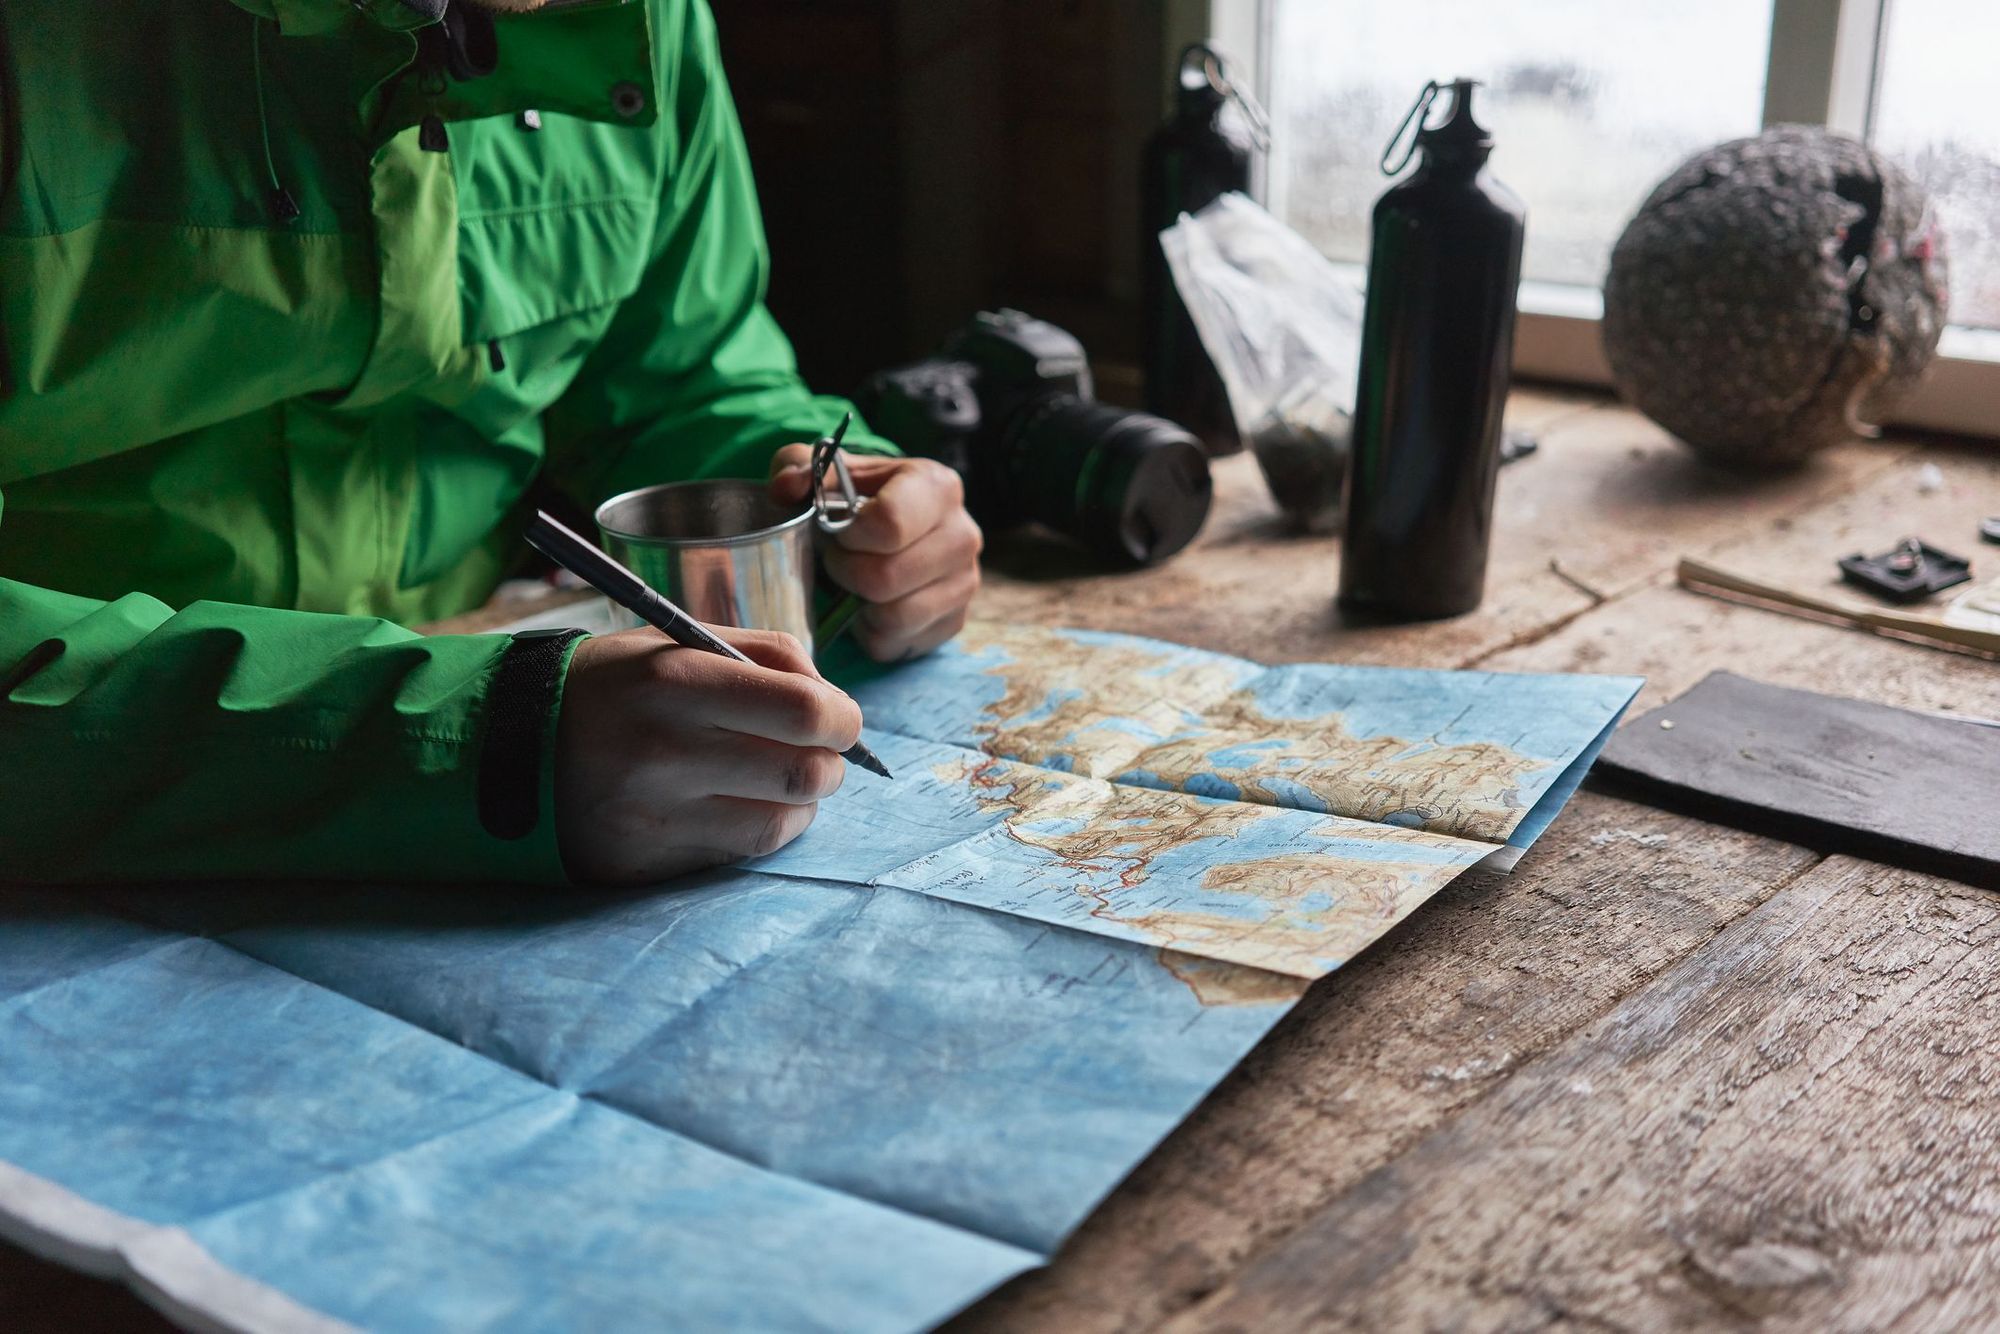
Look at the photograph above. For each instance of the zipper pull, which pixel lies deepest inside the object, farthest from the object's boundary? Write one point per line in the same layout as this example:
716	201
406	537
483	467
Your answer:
494	359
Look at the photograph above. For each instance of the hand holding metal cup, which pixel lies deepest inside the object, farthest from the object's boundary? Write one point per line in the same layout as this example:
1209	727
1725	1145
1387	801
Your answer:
898	541
896	535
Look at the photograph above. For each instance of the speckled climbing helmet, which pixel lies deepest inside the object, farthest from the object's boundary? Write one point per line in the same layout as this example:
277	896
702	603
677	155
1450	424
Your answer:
1774	294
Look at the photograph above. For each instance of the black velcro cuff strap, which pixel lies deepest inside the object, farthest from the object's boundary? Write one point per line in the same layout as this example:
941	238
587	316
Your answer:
518	704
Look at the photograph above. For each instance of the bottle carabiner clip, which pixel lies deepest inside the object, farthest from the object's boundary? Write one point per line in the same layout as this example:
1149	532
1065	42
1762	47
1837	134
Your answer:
833	511
1217	73
1414	117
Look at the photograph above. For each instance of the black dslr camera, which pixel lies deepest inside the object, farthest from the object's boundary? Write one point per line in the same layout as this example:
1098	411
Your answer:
1007	405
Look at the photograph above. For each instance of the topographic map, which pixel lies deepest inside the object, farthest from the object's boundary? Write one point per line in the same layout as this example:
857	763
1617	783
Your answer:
853	1085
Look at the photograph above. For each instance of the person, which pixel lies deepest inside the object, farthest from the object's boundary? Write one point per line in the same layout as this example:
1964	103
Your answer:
302	300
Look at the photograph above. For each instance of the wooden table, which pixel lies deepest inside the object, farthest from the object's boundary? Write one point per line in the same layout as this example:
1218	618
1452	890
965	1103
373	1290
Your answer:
1664	1075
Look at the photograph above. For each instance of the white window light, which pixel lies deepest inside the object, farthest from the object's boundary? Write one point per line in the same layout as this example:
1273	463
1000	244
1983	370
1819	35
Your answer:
1634	89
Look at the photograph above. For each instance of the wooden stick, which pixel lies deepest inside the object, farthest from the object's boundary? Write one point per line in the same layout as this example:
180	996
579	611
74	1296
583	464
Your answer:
1700	577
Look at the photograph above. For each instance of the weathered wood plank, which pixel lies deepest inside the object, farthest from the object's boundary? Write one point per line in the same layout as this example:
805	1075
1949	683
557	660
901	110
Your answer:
1536	408
1939	492
1491	973
1798	1127
1616	501
1675	637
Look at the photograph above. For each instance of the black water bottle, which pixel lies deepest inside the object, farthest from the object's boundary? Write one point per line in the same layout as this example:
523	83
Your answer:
1437	339
1190	162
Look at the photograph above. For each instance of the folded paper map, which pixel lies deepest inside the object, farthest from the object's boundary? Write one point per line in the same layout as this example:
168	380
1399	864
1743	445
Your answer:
853	1085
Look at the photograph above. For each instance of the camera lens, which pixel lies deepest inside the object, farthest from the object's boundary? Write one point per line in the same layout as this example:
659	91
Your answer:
1131	486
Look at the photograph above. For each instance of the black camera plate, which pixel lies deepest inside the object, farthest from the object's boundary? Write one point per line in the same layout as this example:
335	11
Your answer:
1909	572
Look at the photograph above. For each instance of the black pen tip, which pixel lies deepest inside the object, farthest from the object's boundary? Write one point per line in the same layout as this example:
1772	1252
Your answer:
865	757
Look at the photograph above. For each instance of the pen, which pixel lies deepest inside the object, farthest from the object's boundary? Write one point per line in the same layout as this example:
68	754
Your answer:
629	591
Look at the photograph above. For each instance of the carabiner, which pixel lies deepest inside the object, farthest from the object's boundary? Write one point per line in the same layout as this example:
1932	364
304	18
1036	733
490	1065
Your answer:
831	513
1415	117
1227	88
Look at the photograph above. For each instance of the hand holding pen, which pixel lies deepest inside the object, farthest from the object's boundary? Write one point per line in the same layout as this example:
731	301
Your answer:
668	760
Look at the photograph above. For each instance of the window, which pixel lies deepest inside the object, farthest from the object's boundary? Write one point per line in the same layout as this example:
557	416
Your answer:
1934	114
1592	103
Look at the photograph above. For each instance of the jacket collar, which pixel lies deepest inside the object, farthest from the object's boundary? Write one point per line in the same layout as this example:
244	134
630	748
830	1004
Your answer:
587	58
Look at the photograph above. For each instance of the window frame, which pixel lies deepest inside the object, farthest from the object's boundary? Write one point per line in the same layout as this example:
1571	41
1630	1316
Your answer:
1824	68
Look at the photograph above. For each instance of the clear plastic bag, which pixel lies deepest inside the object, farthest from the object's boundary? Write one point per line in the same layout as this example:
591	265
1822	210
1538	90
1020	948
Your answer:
1283	327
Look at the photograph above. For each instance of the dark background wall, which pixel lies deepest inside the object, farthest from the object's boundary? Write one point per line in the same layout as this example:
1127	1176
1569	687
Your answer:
921	161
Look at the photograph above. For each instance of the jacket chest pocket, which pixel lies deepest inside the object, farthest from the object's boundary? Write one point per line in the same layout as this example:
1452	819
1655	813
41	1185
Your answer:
522	269
551	223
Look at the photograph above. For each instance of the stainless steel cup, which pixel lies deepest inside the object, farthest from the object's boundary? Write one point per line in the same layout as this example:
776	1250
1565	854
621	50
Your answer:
724	550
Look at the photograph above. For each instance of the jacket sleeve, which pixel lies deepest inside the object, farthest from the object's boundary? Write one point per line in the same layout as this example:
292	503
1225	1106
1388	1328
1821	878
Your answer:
140	743
693	378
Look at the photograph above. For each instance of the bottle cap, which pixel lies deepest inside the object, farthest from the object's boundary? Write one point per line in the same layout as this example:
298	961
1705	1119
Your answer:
1457	139
1204	85
1460	134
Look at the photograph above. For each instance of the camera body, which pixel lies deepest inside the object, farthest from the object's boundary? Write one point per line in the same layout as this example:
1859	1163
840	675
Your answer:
1008	405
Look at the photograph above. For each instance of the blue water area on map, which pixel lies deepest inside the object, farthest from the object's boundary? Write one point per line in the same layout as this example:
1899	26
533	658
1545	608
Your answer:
873	823
939	698
1548	717
390	1177
950	695
718	1067
1117	893
1295	795
1556	794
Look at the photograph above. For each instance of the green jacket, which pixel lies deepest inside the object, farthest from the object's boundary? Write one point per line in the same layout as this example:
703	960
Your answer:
293	318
